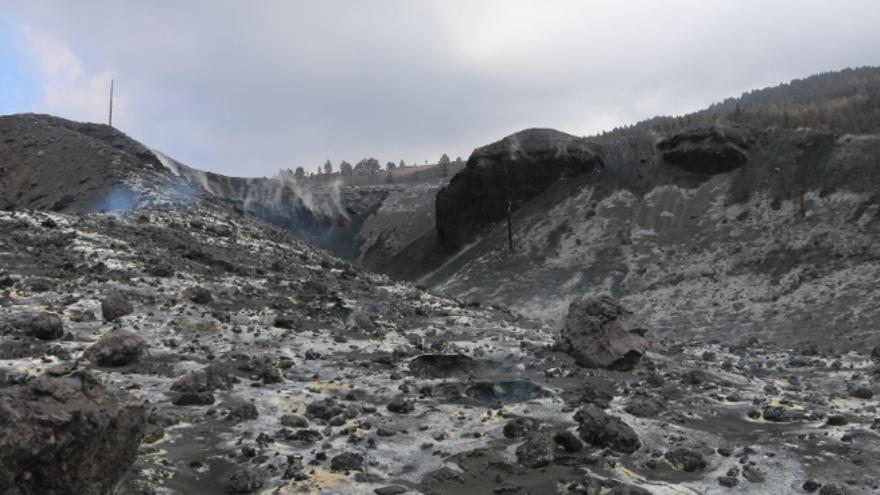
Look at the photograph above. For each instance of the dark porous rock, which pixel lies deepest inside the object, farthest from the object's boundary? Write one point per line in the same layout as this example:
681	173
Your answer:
305	436
782	414
401	405
598	428
811	486
645	407
536	452
728	481
199	295
44	326
754	475
568	441
687	460
705	150
160	269
600	333
240	410
833	489
67	435
347	461
324	409
520	427
243	481
294	421
391	490
519	167
195	388
861	392
115	305
119	348
836	420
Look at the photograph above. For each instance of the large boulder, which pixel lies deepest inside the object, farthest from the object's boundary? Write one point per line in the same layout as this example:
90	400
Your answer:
600	333
44	326
525	164
601	429
119	348
66	435
115	305
705	150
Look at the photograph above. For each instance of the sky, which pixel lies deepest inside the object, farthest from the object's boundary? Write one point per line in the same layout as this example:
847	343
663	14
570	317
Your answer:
249	87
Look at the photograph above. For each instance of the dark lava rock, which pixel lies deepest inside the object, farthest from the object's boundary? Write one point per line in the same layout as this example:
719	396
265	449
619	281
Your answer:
194	388
811	486
347	461
160	269
115	306
781	414
862	392
686	460
294	421
199	295
119	348
508	392
520	167
709	151
836	420
441	365
536	452
193	399
243	481
520	427
600	333
324	409
832	489
391	490
240	410
66	435
45	326
728	481
401	405
568	441
645	407
603	430
306	436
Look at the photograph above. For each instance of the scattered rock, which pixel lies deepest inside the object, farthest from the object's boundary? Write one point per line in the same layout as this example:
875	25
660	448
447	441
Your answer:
536	452
600	333
347	461
401	405
199	295
686	460
243	481
115	305
603	430
118	348
45	326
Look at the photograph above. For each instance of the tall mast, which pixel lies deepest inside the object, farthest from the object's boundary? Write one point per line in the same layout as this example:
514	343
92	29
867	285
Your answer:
110	118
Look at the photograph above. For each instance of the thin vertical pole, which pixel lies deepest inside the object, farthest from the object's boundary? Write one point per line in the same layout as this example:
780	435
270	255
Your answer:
509	207
110	118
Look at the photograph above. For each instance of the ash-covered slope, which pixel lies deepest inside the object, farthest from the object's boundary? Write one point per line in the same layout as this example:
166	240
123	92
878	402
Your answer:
703	233
253	362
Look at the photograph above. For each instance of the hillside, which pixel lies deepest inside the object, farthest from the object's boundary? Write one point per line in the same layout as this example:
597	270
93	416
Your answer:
840	102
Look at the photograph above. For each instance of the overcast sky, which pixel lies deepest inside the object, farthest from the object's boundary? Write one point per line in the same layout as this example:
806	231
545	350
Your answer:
248	87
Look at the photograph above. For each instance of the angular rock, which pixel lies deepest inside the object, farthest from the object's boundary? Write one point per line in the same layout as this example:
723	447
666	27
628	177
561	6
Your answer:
44	326
598	428
536	452
243	481
686	460
67	435
600	333
347	461
119	348
115	306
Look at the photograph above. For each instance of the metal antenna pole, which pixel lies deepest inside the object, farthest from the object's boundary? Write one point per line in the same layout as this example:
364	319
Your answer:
110	118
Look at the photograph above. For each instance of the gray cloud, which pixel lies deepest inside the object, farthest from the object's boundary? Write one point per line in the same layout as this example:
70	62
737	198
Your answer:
249	87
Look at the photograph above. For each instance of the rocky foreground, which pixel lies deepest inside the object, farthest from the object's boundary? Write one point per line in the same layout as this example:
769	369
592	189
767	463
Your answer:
234	358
